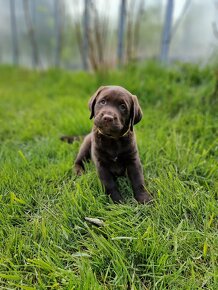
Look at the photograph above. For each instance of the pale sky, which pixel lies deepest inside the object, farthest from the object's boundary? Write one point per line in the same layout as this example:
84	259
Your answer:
111	6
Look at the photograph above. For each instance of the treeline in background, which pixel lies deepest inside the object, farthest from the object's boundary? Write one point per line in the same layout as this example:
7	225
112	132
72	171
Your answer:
96	34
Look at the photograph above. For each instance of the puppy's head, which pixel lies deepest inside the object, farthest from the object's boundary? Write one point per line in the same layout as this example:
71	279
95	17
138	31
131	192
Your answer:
115	110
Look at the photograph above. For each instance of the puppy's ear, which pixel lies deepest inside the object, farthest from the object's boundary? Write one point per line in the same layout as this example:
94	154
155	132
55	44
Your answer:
92	101
135	113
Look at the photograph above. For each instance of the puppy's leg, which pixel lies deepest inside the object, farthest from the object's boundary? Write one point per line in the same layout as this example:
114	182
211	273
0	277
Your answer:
135	174
83	155
109	183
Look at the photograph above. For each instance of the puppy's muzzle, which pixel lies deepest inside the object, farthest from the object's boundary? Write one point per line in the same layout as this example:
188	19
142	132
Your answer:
107	119
108	122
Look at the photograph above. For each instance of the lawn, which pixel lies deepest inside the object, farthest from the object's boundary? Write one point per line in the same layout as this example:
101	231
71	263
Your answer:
45	241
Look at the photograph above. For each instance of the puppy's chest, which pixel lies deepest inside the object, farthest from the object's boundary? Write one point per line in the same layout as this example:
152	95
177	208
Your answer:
113	152
113	157
115	160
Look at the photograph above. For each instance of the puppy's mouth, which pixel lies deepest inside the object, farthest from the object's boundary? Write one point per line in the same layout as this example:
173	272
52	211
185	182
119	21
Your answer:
109	131
112	128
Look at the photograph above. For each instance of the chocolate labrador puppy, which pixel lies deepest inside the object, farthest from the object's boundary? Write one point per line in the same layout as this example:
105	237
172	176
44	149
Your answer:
111	144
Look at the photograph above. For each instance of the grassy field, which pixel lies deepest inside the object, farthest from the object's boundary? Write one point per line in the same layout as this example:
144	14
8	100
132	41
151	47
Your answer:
45	241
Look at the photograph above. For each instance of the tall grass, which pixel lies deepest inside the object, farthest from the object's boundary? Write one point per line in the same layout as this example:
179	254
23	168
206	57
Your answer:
46	243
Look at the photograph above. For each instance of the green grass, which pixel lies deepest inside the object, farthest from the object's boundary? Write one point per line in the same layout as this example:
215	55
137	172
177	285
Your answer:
45	242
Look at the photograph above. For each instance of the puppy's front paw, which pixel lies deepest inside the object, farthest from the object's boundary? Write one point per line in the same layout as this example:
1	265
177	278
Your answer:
78	169
143	197
116	197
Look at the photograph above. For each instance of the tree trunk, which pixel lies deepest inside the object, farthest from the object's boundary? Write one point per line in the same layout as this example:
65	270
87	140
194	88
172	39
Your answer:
31	33
14	33
121	32
166	35
85	43
58	31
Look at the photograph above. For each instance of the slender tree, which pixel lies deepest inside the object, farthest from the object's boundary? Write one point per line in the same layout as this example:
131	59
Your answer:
135	16
98	35
58	31
139	18
121	32
33	11
14	33
85	41
214	26
31	33
166	34
129	32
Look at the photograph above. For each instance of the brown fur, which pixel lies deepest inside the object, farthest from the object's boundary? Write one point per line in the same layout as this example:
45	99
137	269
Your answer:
111	144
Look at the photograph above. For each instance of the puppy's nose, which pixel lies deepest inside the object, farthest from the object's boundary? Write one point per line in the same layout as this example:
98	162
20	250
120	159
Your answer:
108	118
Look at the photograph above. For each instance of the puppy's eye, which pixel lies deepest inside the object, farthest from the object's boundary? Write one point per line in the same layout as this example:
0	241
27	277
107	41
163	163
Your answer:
122	107
102	102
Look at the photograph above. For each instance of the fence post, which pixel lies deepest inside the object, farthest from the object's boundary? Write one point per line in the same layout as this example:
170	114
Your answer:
85	41
166	34
14	33
121	32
